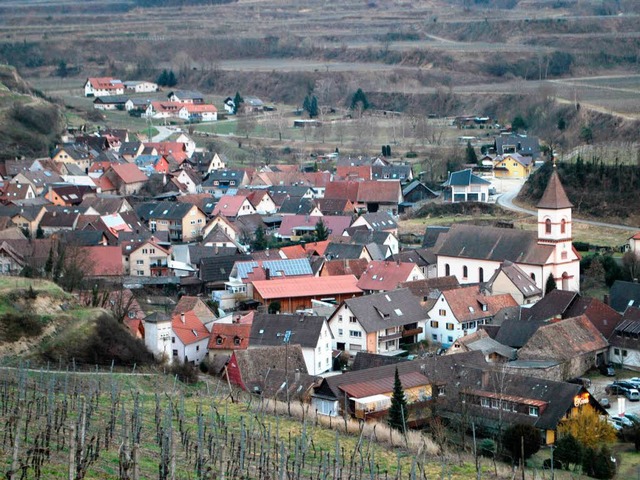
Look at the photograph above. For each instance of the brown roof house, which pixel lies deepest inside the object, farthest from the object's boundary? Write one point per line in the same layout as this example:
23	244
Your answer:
564	349
624	342
461	311
126	177
383	275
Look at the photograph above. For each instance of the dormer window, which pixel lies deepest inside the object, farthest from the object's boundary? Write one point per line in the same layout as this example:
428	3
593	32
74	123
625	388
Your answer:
237	341
218	340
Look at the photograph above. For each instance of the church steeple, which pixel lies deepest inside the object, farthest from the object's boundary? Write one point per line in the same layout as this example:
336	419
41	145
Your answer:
554	196
554	213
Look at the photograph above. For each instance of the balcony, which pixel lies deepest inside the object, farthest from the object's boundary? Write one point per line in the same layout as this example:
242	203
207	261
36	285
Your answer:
392	336
409	332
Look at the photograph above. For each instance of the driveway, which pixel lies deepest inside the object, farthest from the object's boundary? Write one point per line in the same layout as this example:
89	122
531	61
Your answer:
506	201
598	385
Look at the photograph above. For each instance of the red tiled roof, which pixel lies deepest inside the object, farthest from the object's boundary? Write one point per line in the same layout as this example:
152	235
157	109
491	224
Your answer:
229	205
317	248
345	267
104	260
312	286
229	336
354	171
199	108
466	303
347	190
105	83
129	172
293	251
191	331
384	191
385	275
176	149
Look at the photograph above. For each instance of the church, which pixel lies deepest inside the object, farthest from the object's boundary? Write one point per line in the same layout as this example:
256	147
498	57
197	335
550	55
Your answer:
473	253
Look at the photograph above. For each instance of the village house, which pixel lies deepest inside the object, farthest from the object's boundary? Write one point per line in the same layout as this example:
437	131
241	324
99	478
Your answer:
295	226
219	181
378	222
511	279
227	337
186	97
233	206
103	86
147	259
473	253
624	342
311	332
28	218
183	221
141	86
68	195
461	311
464	186
512	165
195	113
379	323
126	177
16	191
110	102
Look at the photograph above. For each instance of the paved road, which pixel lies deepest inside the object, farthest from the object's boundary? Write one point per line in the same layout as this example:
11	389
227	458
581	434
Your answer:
506	201
164	133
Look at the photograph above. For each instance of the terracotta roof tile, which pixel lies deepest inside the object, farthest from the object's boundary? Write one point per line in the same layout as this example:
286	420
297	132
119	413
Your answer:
129	172
312	286
385	275
191	330
229	336
467	303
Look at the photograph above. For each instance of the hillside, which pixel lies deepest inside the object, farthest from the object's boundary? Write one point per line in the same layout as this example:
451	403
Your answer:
41	323
596	189
29	125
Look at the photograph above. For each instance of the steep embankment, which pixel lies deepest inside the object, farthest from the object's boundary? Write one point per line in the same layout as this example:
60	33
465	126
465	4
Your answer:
29	124
42	323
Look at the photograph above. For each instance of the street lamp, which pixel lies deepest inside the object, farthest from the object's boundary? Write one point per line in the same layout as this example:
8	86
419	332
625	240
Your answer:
286	338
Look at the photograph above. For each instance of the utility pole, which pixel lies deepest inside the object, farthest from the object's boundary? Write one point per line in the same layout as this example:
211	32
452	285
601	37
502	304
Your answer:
286	338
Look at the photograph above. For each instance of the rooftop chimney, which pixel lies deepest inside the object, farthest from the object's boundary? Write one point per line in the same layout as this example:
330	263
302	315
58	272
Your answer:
182	317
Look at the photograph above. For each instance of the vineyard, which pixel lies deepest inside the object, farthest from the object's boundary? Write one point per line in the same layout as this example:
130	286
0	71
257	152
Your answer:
136	426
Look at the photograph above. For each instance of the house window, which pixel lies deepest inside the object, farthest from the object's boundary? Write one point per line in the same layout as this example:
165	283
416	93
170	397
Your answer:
563	226
355	333
144	251
175	353
480	274
236	341
340	318
139	262
533	277
173	339
441	390
547	226
340	332
450	326
197	348
465	272
495	403
472	325
352	319
624	353
450	339
533	411
219	341
442	312
616	351
434	324
434	337
447	270
484	402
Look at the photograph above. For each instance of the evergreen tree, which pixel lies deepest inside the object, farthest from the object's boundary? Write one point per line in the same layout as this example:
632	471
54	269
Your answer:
568	450
163	78
48	266
518	123
359	99
321	231
237	100
521	437
471	154
172	81
306	105
260	240
550	286
398	411
39	232
59	265
313	107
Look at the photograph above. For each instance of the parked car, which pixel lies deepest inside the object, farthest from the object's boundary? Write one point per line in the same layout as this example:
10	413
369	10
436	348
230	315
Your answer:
632	394
622	421
615	425
607	369
624	383
615	389
635	419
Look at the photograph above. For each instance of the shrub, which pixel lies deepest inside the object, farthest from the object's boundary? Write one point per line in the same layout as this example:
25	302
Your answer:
186	372
487	448
513	438
14	326
581	246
